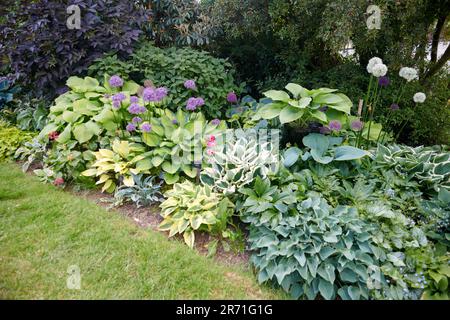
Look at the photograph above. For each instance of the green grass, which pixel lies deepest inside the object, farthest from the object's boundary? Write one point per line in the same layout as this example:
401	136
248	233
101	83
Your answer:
44	230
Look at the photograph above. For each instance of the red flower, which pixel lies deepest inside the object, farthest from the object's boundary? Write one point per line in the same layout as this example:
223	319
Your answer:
53	135
58	181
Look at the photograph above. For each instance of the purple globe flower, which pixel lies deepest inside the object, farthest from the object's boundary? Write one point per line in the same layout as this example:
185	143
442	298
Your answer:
232	97
134	108
134	99
174	121
325	130
190	84
115	81
394	107
215	122
384	81
335	125
146	127
119	97
142	109
116	104
356	125
200	102
131	127
193	103
161	93
136	120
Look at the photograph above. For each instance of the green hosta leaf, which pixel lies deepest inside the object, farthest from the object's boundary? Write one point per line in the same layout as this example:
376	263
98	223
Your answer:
65	135
348	275
70	116
170	167
326	271
130	86
328	99
319	115
151	139
144	165
300	257
290	114
82	134
189	238
326	289
346	153
277	95
171	178
297	90
271	110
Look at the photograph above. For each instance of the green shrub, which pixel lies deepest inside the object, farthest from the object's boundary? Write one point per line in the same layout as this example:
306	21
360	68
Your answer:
11	138
170	68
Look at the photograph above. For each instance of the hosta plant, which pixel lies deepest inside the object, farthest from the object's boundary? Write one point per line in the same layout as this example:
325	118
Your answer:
144	192
309	248
428	165
116	166
191	207
323	149
175	139
239	161
303	105
85	112
31	152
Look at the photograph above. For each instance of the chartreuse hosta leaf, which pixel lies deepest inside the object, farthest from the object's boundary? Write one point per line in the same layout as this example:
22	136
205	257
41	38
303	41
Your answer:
118	164
173	140
191	207
304	104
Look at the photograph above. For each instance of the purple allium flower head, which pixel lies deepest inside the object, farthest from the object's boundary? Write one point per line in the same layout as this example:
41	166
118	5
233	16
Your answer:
394	107
323	109
119	97
136	120
200	102
131	127
325	130
356	125
193	103
161	93
190	84
174	121
232	97
115	81
134	108
116	104
134	99
335	125
142	109
384	81
146	127
149	94
215	122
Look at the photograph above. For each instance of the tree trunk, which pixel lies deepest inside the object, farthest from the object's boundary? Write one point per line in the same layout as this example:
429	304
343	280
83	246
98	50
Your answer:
436	37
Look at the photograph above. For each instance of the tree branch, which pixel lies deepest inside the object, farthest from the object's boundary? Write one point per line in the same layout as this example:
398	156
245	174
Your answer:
439	64
436	37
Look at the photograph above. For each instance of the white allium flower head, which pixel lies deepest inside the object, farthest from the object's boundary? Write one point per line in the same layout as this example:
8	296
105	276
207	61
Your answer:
409	74
419	97
372	63
379	70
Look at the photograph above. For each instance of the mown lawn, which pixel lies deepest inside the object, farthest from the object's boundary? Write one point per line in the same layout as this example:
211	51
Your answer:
44	230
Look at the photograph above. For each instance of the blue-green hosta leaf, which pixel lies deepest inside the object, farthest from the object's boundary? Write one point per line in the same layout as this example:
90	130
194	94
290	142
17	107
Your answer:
348	275
300	257
346	153
313	264
326	289
277	95
326	271
317	142
291	156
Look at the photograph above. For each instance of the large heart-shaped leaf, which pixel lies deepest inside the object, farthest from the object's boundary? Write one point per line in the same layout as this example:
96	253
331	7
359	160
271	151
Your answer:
290	114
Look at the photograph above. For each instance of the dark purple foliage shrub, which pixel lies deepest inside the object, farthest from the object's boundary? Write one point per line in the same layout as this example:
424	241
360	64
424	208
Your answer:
42	52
